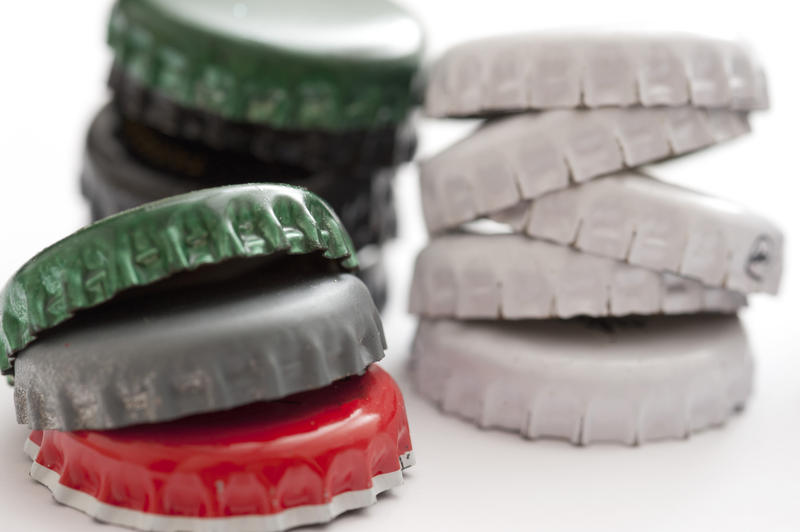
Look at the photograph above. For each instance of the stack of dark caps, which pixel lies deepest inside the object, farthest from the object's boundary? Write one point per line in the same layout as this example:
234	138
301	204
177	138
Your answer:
205	362
565	293
310	93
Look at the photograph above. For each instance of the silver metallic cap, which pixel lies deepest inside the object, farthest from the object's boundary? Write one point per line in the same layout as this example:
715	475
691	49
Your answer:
198	350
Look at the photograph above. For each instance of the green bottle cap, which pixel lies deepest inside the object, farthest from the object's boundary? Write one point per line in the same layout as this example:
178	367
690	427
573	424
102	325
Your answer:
150	243
292	64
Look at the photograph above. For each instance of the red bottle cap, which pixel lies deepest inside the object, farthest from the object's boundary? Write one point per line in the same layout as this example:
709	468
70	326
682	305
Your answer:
266	466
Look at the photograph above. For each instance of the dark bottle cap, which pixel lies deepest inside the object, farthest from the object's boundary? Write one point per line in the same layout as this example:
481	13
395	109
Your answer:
128	164
190	351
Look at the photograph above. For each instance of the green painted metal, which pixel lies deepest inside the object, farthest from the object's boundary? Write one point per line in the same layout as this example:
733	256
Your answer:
293	64
150	243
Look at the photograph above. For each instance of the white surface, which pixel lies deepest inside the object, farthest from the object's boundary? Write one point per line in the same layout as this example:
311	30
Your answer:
742	478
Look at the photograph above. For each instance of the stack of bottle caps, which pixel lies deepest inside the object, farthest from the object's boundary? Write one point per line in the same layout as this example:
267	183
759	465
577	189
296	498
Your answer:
205	362
310	93
590	301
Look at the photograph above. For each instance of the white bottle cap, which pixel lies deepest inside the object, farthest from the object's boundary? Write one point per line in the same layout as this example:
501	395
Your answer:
516	277
547	71
662	227
524	156
635	381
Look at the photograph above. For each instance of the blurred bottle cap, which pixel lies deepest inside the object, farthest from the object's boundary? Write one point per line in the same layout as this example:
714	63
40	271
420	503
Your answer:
625	381
195	351
612	69
516	277
156	241
310	64
315	149
128	164
266	466
372	270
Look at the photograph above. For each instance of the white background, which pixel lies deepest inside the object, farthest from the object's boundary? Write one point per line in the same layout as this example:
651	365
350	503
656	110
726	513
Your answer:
53	64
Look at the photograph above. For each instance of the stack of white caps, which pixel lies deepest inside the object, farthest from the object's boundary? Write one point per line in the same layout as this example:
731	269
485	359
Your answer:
601	303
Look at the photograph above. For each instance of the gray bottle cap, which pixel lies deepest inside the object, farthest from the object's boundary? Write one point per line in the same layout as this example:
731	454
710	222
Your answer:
522	157
626	381
547	71
195	351
663	227
516	277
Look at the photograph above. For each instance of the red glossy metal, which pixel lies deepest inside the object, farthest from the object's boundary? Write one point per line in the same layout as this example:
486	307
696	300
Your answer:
255	460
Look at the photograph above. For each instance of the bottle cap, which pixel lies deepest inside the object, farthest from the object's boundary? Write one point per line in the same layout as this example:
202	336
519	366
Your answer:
127	165
229	344
627	381
662	227
372	271
314	149
349	66
508	160
151	243
549	71
514	277
266	466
